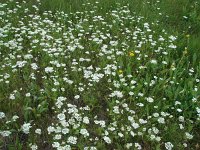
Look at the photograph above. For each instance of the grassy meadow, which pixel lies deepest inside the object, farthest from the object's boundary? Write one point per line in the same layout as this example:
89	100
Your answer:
99	75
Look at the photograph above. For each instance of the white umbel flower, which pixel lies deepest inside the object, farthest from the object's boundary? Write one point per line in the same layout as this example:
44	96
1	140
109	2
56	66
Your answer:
107	139
26	127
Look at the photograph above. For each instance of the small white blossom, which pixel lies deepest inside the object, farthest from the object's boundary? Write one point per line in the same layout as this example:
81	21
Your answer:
161	120
33	146
150	100
38	131
5	133
84	132
154	61
26	127
72	140
2	115
61	116
12	96
77	97
86	120
169	145
107	139
188	135
49	69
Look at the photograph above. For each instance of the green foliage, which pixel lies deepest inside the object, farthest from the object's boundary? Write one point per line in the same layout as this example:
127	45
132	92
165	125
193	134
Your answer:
129	85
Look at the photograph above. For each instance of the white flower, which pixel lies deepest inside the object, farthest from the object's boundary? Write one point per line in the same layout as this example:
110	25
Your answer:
177	103
142	121
158	138
107	139
76	96
2	115
198	110
133	82
61	116
84	132
179	110
155	130
90	148
93	148
49	69
116	109
50	129
101	123
152	137
129	145
72	140
132	133
131	93
26	127
120	134
67	147
65	130
57	137
135	125
111	129
173	38
130	118
188	135
34	66
15	117
33	146
172	46
194	99
185	144
56	144
169	145
21	64
150	100
146	25
153	61
164	62
12	96
28	94
59	101
117	94
161	120
156	114
138	146
181	126
140	94
86	120
38	131
181	118
28	56
5	133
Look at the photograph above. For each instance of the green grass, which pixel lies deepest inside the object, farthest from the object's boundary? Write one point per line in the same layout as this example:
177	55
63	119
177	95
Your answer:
63	61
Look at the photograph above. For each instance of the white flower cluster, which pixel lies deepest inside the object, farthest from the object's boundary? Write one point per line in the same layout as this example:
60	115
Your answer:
88	81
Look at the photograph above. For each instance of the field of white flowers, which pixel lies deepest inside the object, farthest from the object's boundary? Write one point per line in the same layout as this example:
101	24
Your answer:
93	81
